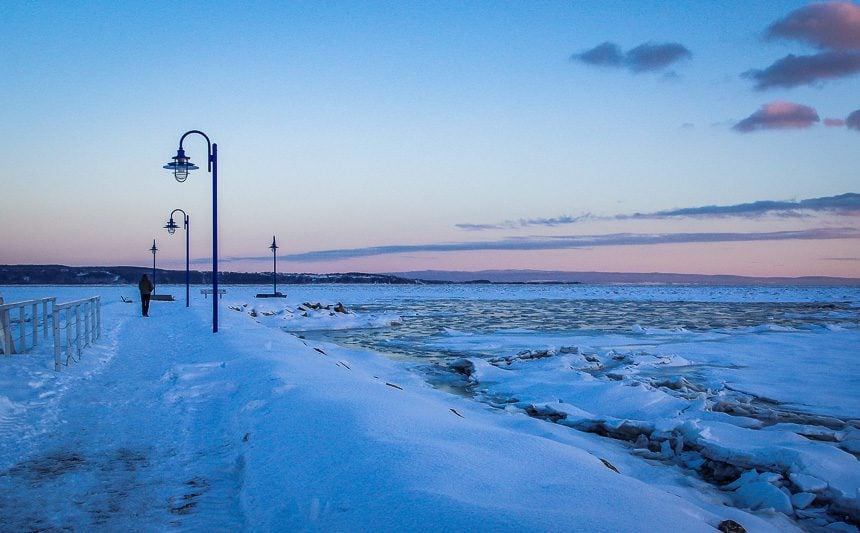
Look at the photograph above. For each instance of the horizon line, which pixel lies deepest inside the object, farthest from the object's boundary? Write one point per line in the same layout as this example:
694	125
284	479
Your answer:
435	271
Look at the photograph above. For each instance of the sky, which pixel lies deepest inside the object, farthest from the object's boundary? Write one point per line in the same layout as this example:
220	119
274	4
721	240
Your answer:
698	137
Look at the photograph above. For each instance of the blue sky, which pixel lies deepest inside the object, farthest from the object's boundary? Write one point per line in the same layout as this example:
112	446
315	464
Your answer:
386	128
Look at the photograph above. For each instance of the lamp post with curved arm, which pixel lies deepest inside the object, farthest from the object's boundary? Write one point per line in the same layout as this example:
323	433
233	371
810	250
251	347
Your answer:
180	166
171	228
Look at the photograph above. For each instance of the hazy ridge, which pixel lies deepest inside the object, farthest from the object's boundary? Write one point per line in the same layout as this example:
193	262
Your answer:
547	276
120	275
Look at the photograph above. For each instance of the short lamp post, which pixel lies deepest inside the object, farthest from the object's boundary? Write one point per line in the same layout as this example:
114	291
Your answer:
153	250
274	249
171	228
180	166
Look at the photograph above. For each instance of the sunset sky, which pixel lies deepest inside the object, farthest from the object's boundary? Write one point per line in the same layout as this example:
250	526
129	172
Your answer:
651	136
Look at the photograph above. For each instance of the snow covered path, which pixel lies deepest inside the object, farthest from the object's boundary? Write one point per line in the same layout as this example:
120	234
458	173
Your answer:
163	425
129	439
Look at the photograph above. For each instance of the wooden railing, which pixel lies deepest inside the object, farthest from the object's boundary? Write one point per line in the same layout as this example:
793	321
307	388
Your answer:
83	325
25	339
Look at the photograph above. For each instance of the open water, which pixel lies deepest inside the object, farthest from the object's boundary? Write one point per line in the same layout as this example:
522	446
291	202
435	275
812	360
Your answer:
428	317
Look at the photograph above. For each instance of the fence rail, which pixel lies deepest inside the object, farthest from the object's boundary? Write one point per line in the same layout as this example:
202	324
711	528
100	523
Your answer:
7	331
90	322
81	320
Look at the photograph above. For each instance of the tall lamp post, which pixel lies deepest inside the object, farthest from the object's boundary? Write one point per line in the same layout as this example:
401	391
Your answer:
153	250
171	229
274	248
180	166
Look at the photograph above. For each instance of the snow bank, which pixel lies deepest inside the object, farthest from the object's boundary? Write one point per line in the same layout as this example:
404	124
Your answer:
675	410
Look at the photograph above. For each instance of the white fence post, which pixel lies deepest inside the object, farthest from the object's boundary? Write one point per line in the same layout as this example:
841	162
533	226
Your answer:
96	304
87	306
78	329
68	333
2	331
7	327
56	327
35	313
5	334
22	330
45	316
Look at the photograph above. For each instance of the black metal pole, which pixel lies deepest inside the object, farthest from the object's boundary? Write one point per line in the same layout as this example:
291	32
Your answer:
214	160
187	263
171	229
182	163
153	250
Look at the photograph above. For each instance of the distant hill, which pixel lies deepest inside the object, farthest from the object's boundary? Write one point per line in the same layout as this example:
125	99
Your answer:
125	275
542	276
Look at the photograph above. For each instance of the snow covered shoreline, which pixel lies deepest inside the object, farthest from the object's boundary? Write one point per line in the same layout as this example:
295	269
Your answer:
163	424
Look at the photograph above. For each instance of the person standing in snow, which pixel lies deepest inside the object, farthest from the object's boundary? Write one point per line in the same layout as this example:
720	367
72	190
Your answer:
146	287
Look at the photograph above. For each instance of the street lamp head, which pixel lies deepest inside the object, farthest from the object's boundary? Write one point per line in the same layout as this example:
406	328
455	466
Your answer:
153	249
171	226
180	165
274	245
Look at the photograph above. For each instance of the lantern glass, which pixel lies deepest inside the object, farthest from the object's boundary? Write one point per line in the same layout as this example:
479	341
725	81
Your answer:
180	166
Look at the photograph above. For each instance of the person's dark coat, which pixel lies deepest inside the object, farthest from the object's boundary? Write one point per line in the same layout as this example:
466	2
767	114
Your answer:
145	285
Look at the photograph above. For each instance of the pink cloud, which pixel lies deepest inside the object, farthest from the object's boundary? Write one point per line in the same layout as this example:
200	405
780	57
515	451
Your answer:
778	115
793	71
832	25
834	122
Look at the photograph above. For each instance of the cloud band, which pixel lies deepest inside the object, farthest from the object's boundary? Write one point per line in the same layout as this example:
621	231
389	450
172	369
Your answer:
563	243
843	204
